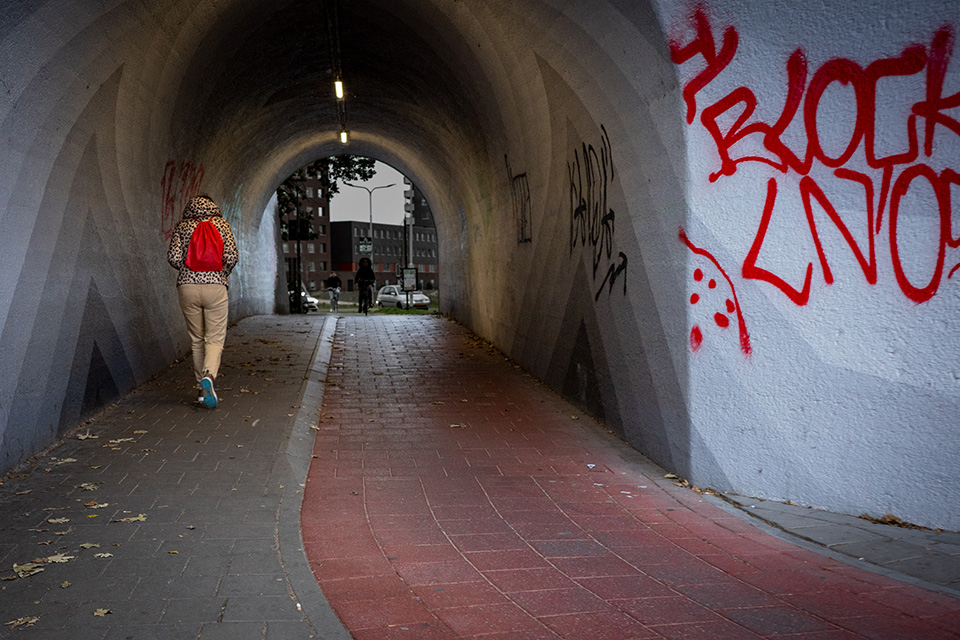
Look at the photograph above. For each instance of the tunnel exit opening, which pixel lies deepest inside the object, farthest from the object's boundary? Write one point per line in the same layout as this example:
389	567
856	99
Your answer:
337	210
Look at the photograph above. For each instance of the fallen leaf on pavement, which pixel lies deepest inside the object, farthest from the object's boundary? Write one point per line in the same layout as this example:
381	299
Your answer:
58	520
27	569
89	486
119	440
140	518
103	555
93	504
86	436
90	545
56	558
139	432
65	584
26	621
102	612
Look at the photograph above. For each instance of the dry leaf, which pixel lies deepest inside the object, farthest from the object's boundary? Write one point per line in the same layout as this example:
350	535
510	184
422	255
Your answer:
103	555
44	543
119	440
26	621
27	569
58	520
64	584
140	518
89	486
24	492
63	533
86	436
139	432
90	545
438	403
670	476
102	612
56	558
458	426
65	461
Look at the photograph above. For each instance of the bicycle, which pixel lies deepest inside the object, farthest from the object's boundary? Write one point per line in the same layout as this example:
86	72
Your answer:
366	299
334	299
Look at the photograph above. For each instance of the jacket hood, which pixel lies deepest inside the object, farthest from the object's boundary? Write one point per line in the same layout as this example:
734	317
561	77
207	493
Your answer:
201	207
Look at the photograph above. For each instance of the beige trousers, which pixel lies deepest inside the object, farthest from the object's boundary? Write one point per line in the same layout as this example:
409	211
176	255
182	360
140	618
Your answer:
205	308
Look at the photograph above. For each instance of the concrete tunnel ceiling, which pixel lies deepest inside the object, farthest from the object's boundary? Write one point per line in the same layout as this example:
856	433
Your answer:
616	203
265	82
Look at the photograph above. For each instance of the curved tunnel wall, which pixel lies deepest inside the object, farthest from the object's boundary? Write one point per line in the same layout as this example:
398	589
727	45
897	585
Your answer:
726	231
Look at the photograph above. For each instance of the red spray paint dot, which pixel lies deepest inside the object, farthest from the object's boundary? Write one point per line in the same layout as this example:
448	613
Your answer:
730	306
696	338
698	275
722	321
694	299
712	284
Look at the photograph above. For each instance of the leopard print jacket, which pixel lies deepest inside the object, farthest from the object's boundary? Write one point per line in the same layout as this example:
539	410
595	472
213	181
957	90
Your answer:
198	209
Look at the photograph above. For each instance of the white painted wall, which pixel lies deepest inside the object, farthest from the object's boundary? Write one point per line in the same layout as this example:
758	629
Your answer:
849	398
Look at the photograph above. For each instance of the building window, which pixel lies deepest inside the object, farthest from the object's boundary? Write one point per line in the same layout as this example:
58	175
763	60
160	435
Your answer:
323	229
311	248
286	248
323	247
309	192
311	267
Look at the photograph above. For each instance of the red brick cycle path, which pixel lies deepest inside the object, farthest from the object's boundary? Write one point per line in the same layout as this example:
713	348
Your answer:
451	496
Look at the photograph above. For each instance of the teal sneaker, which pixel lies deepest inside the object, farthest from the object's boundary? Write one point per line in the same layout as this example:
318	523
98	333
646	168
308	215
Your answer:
209	393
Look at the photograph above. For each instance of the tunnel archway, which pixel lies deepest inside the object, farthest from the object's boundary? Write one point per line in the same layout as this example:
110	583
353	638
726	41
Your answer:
573	154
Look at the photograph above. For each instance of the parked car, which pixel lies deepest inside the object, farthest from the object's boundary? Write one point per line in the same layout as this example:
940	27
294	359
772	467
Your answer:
307	301
394	296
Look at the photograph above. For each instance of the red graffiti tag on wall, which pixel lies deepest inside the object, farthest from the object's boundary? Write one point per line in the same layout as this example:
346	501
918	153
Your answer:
180	182
886	178
731	305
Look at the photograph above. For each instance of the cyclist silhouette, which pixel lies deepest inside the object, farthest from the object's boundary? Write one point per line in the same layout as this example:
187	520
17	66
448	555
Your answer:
365	279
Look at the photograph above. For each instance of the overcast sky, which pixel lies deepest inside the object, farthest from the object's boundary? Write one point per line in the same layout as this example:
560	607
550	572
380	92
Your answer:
352	203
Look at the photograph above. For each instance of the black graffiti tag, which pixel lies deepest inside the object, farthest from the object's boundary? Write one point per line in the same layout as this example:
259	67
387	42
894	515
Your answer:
592	221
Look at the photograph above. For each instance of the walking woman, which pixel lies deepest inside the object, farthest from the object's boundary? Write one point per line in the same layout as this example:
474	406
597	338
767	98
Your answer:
204	251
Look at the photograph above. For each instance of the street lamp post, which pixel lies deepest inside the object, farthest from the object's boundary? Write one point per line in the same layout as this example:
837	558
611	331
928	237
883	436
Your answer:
370	199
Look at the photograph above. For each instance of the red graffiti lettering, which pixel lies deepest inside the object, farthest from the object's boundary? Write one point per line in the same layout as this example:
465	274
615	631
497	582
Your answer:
180	182
752	271
704	45
731	119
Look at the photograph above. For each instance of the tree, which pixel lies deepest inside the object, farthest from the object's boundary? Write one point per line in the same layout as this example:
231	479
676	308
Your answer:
330	171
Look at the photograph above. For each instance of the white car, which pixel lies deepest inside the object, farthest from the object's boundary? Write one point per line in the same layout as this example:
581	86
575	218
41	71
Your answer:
394	296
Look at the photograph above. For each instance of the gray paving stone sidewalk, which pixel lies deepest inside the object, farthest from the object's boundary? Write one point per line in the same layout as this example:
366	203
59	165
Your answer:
925	557
162	519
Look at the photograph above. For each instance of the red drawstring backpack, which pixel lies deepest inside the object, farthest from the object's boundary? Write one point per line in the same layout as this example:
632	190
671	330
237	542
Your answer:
205	252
